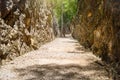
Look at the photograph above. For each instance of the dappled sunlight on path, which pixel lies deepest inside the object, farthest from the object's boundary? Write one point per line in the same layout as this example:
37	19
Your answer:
61	59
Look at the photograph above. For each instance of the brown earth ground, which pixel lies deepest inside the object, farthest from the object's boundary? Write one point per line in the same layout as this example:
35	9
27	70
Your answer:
61	59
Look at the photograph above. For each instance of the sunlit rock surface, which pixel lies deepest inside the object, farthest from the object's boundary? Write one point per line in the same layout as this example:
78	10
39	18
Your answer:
24	26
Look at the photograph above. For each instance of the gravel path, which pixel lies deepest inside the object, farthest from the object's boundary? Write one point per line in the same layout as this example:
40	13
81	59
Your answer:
61	59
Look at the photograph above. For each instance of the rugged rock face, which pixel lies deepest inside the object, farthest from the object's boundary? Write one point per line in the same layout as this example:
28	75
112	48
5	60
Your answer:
97	26
24	26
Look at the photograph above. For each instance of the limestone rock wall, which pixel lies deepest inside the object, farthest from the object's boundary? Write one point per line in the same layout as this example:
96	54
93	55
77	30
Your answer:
24	26
97	26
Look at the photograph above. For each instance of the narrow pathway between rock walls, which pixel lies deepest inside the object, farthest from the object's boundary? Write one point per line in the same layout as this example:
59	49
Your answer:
61	59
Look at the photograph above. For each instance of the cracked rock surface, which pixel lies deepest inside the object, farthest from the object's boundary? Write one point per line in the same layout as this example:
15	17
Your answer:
24	26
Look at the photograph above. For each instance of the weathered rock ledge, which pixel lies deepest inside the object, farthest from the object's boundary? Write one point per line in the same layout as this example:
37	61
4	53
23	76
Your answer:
24	26
97	26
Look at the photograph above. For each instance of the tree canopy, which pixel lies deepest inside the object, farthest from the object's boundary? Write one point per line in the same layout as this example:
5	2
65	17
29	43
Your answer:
67	8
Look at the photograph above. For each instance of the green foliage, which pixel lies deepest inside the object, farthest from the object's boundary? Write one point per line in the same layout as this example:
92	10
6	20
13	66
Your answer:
69	9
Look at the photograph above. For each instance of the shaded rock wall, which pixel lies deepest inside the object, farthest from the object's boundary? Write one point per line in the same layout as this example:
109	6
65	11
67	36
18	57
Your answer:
24	26
97	26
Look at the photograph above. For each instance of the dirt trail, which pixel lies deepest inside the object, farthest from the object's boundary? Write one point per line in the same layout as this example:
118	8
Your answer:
61	59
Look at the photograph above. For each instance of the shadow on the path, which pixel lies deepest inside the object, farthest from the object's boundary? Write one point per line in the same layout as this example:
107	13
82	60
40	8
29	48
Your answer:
52	72
79	49
70	41
63	72
58	72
